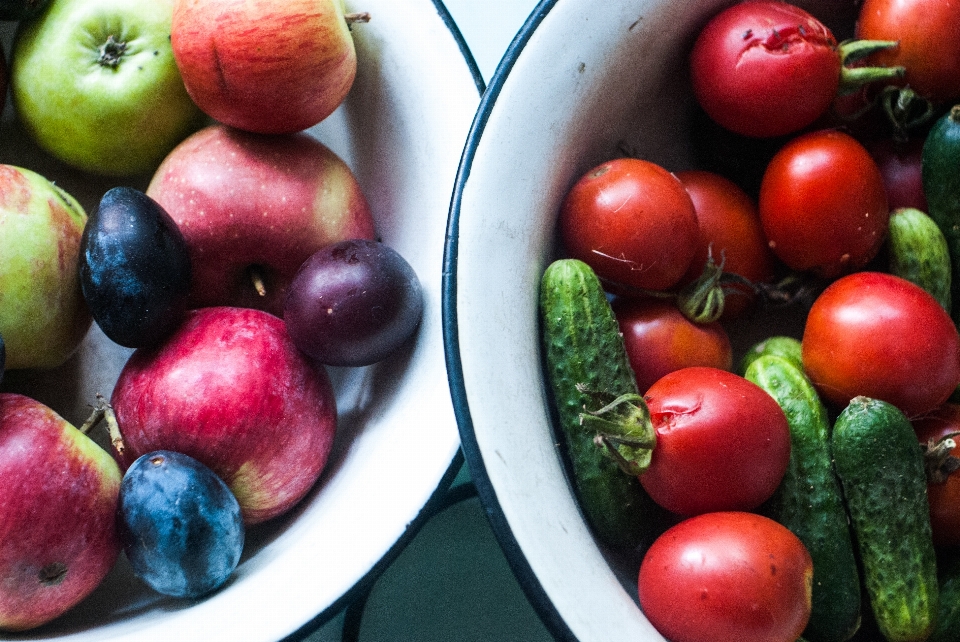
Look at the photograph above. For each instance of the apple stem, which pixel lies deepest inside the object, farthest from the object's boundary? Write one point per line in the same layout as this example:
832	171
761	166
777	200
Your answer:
104	411
354	18
258	284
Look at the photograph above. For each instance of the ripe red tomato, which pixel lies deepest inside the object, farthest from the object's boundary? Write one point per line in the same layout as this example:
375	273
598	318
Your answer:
943	495
632	222
729	230
727	576
823	204
765	68
660	339
928	33
723	443
880	336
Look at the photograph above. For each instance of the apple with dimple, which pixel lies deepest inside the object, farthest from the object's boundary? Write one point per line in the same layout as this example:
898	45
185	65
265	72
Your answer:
230	389
58	500
266	66
43	317
252	208
95	84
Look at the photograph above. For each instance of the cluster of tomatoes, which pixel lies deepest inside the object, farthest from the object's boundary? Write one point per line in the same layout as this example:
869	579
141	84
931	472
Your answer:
836	130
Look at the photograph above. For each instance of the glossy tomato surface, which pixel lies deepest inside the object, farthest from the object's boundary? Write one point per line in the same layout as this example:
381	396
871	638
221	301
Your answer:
660	339
727	576
723	443
764	68
632	222
928	37
823	205
731	233
878	335
943	492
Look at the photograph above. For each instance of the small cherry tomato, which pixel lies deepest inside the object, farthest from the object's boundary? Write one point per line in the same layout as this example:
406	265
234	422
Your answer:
723	443
632	222
727	576
765	68
823	204
928	33
660	339
943	489
730	232
881	336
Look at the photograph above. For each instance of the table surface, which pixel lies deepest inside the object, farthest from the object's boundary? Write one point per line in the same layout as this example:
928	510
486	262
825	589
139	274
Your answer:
452	581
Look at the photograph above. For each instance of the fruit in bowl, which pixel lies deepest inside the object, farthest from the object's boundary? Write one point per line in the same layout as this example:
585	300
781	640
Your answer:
586	115
407	189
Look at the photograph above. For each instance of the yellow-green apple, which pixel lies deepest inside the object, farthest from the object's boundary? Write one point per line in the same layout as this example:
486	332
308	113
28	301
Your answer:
94	82
253	207
230	389
267	66
58	500
43	317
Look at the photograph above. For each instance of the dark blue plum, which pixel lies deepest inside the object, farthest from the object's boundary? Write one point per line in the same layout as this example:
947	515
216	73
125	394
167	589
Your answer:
134	268
180	524
353	303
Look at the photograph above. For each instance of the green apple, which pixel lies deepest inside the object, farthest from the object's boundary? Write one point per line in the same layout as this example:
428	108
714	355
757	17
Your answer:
43	317
94	82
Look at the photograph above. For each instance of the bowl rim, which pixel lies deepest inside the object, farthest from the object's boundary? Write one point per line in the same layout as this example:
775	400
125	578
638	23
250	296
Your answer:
437	499
470	448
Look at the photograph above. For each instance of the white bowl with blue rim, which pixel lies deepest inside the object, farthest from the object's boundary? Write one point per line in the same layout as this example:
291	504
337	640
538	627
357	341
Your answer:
401	130
580	83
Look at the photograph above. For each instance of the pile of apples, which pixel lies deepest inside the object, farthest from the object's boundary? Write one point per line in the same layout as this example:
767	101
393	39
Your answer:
248	265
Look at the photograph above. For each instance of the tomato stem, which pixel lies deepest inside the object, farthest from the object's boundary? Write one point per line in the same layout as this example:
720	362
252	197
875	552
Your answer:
853	77
905	110
702	301
623	428
938	461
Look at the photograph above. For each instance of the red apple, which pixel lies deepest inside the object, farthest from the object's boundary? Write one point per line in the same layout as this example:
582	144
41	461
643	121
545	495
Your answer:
58	503
253	208
267	66
230	389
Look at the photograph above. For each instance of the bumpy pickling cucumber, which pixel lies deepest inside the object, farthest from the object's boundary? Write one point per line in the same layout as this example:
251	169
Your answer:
880	465
783	346
809	500
940	171
919	253
603	420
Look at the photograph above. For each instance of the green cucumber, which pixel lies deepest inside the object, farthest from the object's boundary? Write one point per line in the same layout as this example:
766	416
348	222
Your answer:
880	465
782	346
919	252
940	172
809	500
604	422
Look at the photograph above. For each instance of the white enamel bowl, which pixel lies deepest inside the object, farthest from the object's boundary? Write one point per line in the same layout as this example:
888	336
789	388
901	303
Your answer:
401	130
580	81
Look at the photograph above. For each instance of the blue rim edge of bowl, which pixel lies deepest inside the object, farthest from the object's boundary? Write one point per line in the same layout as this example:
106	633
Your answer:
437	498
501	528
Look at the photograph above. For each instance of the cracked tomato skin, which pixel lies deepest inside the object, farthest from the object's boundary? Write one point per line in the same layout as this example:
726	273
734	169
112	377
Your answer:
765	69
723	443
727	576
633	222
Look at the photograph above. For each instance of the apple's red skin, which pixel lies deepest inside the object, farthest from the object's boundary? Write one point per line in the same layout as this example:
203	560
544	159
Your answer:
266	66
58	502
245	200
230	389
